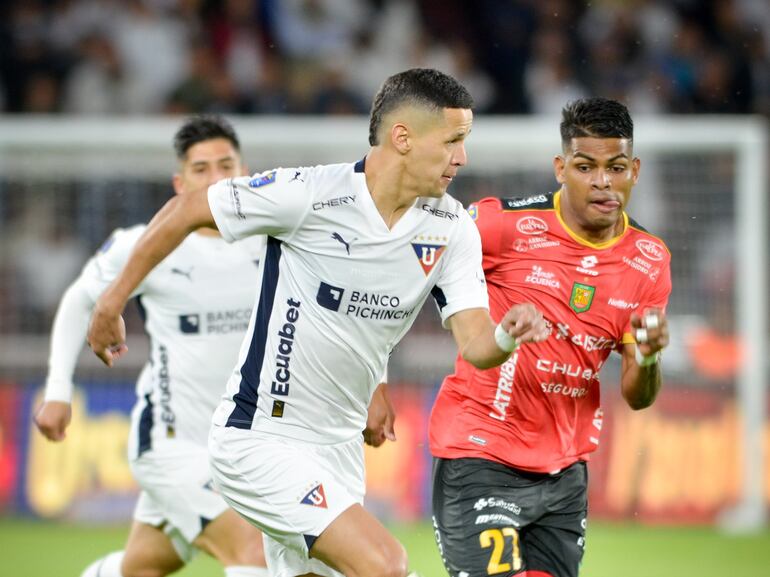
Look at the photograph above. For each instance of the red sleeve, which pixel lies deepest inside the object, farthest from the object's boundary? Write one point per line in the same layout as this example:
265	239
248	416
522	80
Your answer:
487	214
655	298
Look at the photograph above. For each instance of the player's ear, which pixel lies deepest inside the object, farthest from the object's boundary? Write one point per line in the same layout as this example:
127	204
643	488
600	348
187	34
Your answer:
558	168
399	137
176	181
635	164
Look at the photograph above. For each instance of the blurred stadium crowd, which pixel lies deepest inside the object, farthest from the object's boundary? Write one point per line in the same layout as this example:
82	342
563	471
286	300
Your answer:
116	57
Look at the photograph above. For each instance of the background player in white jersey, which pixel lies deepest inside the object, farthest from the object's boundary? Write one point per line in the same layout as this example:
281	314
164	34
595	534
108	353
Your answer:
353	251
197	304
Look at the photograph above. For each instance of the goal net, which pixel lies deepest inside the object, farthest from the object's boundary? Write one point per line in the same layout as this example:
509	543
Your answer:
66	183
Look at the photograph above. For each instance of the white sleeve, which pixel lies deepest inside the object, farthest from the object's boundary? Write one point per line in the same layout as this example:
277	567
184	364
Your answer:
461	284
109	260
272	203
70	326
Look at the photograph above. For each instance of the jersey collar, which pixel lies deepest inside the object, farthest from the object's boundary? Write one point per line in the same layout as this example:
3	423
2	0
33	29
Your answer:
579	239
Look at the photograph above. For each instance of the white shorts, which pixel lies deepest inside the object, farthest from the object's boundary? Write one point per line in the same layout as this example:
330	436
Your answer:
177	492
289	489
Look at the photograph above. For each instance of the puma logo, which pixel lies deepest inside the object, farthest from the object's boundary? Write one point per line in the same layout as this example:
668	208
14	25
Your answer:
338	237
183	273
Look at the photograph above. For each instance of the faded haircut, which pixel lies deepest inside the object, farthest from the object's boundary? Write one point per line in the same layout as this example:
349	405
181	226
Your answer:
200	128
423	87
596	118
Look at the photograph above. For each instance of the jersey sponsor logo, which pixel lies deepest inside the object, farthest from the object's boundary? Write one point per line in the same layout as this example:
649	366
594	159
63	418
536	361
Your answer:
329	297
235	198
316	497
504	387
427	254
621	304
564	390
561	331
531	225
334	202
651	250
377	306
263	179
280	386
440	213
533	243
566	369
187	274
164	388
587	263
190	324
540	276
473	211
228	321
519	202
338	237
639	264
581	298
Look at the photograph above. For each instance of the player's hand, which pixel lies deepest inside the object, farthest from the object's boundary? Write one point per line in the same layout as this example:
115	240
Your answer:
107	333
650	331
381	419
525	323
52	419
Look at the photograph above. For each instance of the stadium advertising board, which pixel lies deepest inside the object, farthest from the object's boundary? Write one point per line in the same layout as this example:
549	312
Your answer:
677	462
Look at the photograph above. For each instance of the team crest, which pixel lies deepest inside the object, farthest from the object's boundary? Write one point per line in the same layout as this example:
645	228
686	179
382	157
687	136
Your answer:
582	297
473	211
316	497
428	255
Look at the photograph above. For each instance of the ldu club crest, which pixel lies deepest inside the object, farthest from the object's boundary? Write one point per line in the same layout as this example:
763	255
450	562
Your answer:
582	297
428	253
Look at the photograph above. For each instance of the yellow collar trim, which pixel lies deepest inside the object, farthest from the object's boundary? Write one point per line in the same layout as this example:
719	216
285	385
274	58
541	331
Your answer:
580	239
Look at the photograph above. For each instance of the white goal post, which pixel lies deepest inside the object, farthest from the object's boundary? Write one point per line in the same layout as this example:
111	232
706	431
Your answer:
682	159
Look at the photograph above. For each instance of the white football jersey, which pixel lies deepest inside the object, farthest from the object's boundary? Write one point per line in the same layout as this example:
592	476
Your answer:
196	306
338	291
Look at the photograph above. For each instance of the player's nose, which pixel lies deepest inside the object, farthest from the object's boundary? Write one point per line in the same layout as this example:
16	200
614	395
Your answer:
460	157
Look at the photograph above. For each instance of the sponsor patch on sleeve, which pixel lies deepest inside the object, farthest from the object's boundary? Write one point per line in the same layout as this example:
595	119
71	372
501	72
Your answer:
263	179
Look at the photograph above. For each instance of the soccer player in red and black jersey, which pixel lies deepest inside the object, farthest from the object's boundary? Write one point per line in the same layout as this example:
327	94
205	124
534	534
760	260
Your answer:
511	443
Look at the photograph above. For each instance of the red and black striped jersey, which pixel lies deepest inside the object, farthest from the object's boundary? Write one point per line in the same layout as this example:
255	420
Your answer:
540	410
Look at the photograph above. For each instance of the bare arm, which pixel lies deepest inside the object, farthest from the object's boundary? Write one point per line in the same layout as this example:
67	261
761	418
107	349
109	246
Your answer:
380	419
640	383
179	217
474	333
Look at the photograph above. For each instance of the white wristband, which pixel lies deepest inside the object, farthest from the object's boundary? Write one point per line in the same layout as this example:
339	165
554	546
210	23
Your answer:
646	361
505	341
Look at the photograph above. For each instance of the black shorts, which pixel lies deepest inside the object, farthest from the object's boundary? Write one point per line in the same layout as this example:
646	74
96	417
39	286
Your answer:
490	519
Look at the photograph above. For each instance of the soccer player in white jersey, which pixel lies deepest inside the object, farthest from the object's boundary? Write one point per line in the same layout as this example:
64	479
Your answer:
353	251
197	305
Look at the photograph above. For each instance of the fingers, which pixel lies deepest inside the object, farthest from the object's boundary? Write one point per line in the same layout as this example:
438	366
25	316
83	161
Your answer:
650	330
527	324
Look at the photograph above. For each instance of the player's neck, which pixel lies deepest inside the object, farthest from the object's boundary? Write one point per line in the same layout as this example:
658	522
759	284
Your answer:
385	181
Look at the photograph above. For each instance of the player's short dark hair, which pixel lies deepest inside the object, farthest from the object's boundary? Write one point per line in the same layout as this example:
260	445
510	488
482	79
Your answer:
418	86
595	117
200	128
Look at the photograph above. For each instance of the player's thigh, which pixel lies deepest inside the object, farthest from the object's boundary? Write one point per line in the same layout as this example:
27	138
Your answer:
357	544
232	541
177	492
479	510
149	553
556	542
